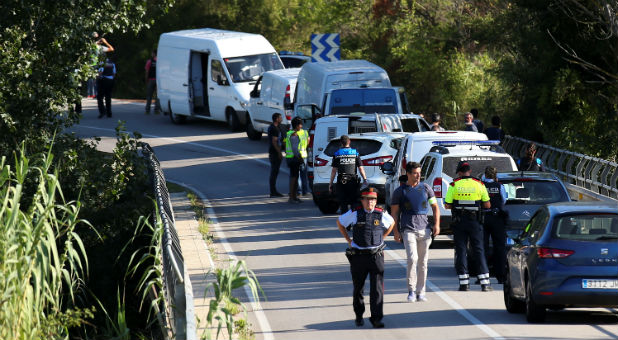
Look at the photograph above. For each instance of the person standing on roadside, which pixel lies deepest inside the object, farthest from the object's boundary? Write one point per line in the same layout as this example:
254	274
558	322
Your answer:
345	162
477	122
495	132
274	153
435	122
469	124
530	162
295	154
105	85
151	82
466	196
495	221
370	225
411	201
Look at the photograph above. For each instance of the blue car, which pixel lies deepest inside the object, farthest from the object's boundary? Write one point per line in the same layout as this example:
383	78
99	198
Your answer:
567	256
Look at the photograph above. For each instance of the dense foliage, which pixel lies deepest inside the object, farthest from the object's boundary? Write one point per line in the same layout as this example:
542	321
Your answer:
46	52
548	68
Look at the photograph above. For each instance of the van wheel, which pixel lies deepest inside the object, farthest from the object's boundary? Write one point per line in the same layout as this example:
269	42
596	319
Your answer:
176	119
327	207
252	133
232	120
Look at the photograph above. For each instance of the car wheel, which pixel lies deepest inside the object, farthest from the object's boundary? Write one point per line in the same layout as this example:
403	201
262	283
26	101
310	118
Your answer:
232	120
176	119
252	133
327	207
534	313
512	304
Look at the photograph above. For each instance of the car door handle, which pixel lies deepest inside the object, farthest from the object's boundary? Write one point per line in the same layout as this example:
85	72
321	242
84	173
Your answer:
185	84
212	88
259	103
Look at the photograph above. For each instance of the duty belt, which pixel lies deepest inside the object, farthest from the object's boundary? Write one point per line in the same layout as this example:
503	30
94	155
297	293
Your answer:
373	251
344	178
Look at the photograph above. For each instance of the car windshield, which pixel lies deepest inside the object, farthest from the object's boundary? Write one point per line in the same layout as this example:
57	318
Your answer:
526	191
251	67
347	101
477	164
363	146
588	227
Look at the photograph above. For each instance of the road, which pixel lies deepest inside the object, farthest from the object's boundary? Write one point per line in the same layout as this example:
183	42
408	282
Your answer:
297	253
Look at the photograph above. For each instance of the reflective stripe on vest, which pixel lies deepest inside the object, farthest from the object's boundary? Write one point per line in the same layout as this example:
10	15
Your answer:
302	144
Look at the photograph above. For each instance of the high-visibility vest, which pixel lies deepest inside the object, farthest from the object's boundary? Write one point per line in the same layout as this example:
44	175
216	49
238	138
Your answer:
466	193
302	145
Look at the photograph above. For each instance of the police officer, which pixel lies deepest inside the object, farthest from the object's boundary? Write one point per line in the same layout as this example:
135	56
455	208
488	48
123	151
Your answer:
105	85
370	225
465	197
495	221
295	154
345	162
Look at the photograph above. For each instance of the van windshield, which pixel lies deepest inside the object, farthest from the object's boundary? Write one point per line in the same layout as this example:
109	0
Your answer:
251	67
347	101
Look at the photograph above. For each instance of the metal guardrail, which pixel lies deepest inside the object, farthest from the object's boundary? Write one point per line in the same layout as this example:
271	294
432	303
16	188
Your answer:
177	309
597	175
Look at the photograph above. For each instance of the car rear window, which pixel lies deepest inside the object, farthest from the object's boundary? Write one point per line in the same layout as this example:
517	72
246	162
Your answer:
588	227
534	192
477	164
363	101
410	125
363	146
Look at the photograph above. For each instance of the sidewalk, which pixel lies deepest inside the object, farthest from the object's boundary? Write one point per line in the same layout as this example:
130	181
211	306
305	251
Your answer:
197	258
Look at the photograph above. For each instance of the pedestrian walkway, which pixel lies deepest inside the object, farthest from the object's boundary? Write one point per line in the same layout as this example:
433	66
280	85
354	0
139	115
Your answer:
196	255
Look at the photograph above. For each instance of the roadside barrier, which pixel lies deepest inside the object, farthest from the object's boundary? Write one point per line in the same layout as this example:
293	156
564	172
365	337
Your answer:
178	318
597	177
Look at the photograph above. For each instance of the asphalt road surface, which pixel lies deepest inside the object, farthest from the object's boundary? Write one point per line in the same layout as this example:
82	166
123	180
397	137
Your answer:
297	253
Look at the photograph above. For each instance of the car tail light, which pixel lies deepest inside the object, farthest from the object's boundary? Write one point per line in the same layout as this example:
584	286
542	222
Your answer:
286	99
437	187
403	162
551	253
319	162
377	161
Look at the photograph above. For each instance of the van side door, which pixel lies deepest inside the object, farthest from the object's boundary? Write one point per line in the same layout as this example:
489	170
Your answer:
178	85
218	88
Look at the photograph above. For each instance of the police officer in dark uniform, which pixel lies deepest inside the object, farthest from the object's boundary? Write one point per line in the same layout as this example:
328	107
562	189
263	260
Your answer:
465	197
105	85
494	222
370	225
345	162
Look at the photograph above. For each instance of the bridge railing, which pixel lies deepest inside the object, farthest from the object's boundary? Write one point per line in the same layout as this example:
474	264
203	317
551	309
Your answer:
597	175
177	320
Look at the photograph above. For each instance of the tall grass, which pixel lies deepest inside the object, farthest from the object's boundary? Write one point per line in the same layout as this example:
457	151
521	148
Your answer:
42	259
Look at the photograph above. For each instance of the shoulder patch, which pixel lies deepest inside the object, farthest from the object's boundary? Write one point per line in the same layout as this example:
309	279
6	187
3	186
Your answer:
452	183
476	179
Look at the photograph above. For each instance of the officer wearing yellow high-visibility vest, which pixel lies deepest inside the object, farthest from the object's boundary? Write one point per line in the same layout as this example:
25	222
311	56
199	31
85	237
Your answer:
295	154
465	197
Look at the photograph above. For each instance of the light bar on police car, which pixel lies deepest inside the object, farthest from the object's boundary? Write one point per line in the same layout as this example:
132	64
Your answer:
465	142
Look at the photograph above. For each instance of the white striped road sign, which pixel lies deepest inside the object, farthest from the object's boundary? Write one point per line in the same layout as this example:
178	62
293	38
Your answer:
325	47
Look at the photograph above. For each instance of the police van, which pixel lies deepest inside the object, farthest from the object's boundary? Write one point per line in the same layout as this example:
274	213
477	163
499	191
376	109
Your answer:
208	73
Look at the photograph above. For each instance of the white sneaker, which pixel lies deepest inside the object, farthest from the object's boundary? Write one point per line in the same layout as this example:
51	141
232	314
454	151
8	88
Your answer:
421	298
411	297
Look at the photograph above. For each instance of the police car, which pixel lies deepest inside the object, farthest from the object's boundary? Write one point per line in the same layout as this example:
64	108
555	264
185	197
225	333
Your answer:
439	164
375	148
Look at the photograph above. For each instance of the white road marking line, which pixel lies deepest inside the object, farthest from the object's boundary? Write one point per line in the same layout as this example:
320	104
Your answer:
457	307
261	317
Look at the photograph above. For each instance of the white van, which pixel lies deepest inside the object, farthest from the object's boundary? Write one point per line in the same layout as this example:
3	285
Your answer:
315	80
273	92
208	73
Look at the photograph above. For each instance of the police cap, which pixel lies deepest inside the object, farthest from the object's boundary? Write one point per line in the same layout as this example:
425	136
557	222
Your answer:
370	193
463	166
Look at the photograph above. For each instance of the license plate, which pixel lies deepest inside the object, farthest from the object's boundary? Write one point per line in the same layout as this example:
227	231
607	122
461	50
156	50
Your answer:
600	284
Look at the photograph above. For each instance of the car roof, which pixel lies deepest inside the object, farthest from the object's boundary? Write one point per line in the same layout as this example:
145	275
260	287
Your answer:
537	175
582	207
378	135
459	151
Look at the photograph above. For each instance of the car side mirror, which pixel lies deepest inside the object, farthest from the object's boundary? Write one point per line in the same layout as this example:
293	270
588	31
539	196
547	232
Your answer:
254	94
388	168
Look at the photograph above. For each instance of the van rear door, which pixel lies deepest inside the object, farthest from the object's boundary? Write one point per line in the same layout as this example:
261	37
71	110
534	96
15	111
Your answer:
327	130
178	59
